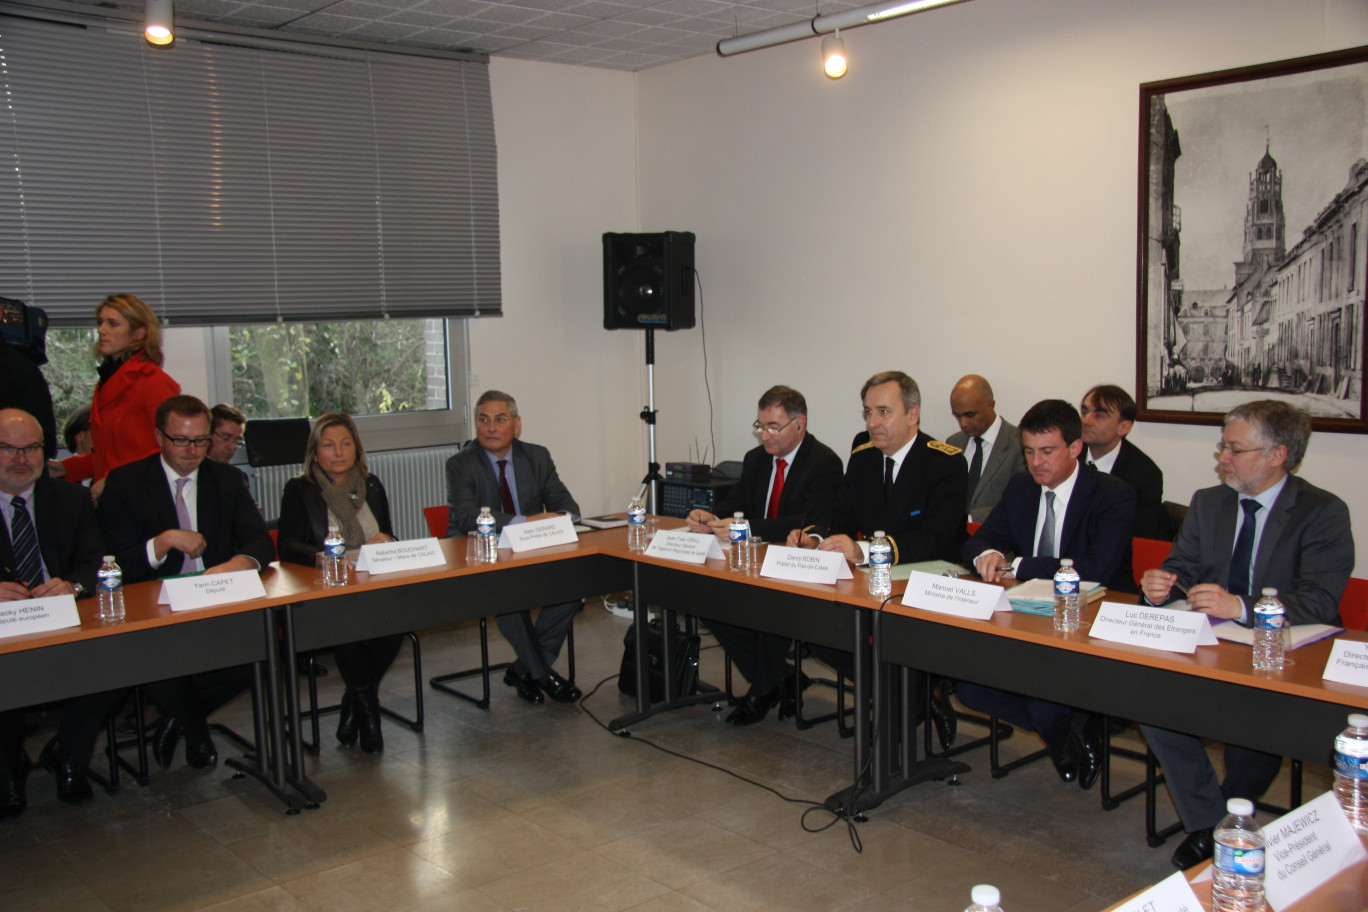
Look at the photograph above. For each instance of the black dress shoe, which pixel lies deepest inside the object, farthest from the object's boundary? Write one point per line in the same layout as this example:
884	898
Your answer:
346	719
1066	759
72	785
368	720
1195	849
13	794
164	739
753	708
944	719
199	746
1089	751
559	689
524	685
788	696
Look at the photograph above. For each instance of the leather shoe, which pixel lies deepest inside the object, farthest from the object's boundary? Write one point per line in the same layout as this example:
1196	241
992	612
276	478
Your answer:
72	785
788	696
524	685
368	720
164	739
1195	849
199	746
944	719
559	689
753	708
1089	750
13	794
346	719
1066	760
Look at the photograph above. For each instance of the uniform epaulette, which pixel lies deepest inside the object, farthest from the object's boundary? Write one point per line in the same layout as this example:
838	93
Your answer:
864	446
944	447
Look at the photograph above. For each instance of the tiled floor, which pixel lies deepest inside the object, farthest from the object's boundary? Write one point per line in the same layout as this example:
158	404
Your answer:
539	809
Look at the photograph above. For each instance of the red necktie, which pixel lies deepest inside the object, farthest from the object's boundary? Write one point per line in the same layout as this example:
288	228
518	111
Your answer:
773	510
505	495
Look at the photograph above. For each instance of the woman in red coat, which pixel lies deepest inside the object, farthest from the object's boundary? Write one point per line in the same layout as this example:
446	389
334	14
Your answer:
131	386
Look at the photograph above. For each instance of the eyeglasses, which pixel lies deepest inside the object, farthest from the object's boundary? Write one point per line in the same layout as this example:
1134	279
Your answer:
188	442
23	452
1237	451
772	429
485	420
230	439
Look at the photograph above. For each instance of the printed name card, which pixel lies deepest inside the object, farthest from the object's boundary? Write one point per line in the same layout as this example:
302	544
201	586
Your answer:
540	533
1156	628
1348	663
1307	847
186	593
1172	894
805	565
38	615
683	545
391	557
946	595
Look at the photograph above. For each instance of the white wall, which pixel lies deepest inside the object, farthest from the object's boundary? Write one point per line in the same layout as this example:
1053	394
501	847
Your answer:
963	200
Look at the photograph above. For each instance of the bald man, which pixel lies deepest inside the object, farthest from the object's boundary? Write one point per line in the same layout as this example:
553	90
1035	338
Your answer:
992	446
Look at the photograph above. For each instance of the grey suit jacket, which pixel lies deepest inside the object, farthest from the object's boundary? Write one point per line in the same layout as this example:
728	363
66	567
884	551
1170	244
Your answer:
472	484
1003	462
1306	551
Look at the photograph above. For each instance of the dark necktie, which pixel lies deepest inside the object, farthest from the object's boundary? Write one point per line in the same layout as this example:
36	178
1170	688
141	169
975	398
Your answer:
1243	556
505	493
772	511
975	469
888	478
27	566
1046	548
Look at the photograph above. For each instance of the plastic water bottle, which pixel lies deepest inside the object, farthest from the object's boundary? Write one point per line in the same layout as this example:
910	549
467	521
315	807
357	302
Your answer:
110	584
1268	632
880	566
1239	864
636	525
984	898
738	539
1066	585
489	540
1351	771
334	559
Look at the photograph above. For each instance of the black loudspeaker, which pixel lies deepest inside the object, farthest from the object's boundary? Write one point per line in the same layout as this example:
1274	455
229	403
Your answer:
648	280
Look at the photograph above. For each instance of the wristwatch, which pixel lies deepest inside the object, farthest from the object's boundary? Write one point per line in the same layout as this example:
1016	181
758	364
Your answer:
77	589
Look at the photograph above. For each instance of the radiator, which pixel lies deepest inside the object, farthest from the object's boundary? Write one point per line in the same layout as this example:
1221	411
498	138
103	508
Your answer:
413	479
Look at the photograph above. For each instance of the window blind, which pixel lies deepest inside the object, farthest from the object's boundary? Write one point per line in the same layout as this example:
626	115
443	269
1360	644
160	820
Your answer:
243	184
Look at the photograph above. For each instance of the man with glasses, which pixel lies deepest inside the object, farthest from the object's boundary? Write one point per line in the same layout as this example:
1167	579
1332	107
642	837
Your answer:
228	423
169	514
1263	527
49	545
790	480
518	482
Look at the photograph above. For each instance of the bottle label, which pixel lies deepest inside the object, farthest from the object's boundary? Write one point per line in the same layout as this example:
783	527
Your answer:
636	519
879	557
336	549
1065	587
1268	621
1348	765
736	535
1236	860
112	581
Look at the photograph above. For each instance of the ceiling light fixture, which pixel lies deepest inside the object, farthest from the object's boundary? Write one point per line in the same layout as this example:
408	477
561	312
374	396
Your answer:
833	55
159	26
821	25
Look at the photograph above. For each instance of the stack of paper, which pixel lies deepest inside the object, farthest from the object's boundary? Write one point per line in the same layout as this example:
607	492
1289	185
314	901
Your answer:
1037	596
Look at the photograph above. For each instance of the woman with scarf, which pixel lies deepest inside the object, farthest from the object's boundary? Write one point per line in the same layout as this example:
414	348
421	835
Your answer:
131	386
336	492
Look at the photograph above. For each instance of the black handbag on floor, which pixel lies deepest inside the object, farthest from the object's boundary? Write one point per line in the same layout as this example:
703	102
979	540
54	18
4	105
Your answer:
684	673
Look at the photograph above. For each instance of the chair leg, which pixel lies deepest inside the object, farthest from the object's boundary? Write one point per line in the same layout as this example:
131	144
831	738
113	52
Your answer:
1111	802
117	765
315	711
998	769
804	722
1155	837
483	670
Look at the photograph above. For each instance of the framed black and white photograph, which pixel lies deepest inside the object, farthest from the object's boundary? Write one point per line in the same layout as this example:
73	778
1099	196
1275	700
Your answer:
1253	226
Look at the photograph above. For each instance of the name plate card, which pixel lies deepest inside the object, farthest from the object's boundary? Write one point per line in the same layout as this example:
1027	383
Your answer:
946	595
1348	663
38	615
805	565
683	545
1172	894
1307	847
186	593
391	557
541	533
1156	628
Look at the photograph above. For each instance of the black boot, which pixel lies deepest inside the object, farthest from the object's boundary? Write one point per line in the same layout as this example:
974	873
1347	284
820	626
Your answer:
346	719
368	720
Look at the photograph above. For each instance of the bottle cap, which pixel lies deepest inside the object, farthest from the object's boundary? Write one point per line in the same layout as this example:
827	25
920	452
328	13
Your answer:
1066	562
1270	592
985	895
109	558
1358	720
1240	807
879	534
738	515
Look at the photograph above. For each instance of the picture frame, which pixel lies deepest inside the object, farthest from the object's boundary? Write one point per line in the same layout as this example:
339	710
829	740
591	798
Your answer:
1252	241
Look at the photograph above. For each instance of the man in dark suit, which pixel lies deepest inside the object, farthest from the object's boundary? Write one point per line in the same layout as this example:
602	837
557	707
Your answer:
789	480
518	482
1058	509
992	445
1108	415
49	545
172	513
1264	527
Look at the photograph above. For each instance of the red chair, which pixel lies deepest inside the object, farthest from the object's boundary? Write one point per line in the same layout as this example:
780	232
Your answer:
1147	554
438	518
1353	606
